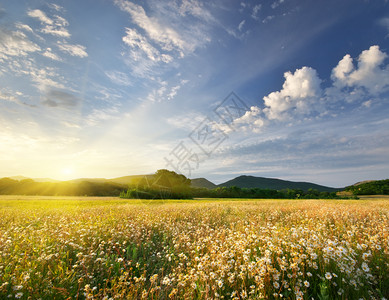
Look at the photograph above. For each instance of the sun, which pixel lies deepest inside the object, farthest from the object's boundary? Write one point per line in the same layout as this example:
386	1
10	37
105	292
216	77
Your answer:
67	171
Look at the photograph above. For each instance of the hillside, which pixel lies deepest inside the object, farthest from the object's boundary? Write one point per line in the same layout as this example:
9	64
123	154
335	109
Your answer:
370	187
274	184
203	183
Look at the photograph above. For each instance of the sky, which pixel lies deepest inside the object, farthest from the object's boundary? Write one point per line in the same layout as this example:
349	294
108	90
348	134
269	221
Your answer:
297	90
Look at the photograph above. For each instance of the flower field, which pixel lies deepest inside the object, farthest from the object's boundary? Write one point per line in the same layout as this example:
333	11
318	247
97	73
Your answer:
109	248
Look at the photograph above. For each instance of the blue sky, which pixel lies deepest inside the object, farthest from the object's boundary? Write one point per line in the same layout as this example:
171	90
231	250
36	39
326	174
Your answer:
107	88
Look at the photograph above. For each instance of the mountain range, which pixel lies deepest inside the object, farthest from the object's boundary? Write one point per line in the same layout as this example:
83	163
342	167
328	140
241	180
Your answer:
243	181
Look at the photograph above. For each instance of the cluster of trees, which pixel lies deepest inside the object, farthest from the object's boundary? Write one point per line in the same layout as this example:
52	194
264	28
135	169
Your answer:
237	192
378	187
9	186
164	184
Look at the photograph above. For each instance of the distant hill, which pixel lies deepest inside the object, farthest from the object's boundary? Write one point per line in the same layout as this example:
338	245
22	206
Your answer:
203	183
129	180
274	184
19	178
370	187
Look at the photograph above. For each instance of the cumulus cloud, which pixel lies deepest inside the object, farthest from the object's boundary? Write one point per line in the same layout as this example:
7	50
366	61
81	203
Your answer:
73	50
302	97
252	120
299	93
370	72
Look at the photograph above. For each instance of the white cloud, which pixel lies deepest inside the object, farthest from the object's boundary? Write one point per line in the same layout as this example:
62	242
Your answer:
300	93
371	73
255	12
275	4
195	8
173	92
15	43
7	96
55	7
268	19
61	32
23	27
45	78
137	41
55	26
241	24
165	36
252	120
41	16
48	53
73	50
119	78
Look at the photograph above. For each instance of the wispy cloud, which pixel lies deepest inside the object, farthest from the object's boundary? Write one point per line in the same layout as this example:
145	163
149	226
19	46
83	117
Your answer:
56	26
168	38
15	43
41	16
7	96
119	78
138	42
255	11
48	53
277	3
241	24
73	50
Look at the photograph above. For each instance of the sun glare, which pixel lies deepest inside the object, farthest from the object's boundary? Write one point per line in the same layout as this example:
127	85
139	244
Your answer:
67	171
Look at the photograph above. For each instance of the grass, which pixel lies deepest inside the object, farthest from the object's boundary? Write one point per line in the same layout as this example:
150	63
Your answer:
103	248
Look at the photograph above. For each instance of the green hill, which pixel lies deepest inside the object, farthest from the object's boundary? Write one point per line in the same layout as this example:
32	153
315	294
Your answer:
203	183
370	187
274	184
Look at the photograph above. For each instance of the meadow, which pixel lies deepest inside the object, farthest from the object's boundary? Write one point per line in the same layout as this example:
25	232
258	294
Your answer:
111	248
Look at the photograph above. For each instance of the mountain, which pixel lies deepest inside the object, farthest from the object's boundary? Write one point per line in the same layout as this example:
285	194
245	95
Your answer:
129	180
274	184
19	178
202	183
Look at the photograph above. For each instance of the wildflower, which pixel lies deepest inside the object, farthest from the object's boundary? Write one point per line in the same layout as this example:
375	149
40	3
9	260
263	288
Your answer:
365	267
220	283
19	295
276	284
306	283
328	276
